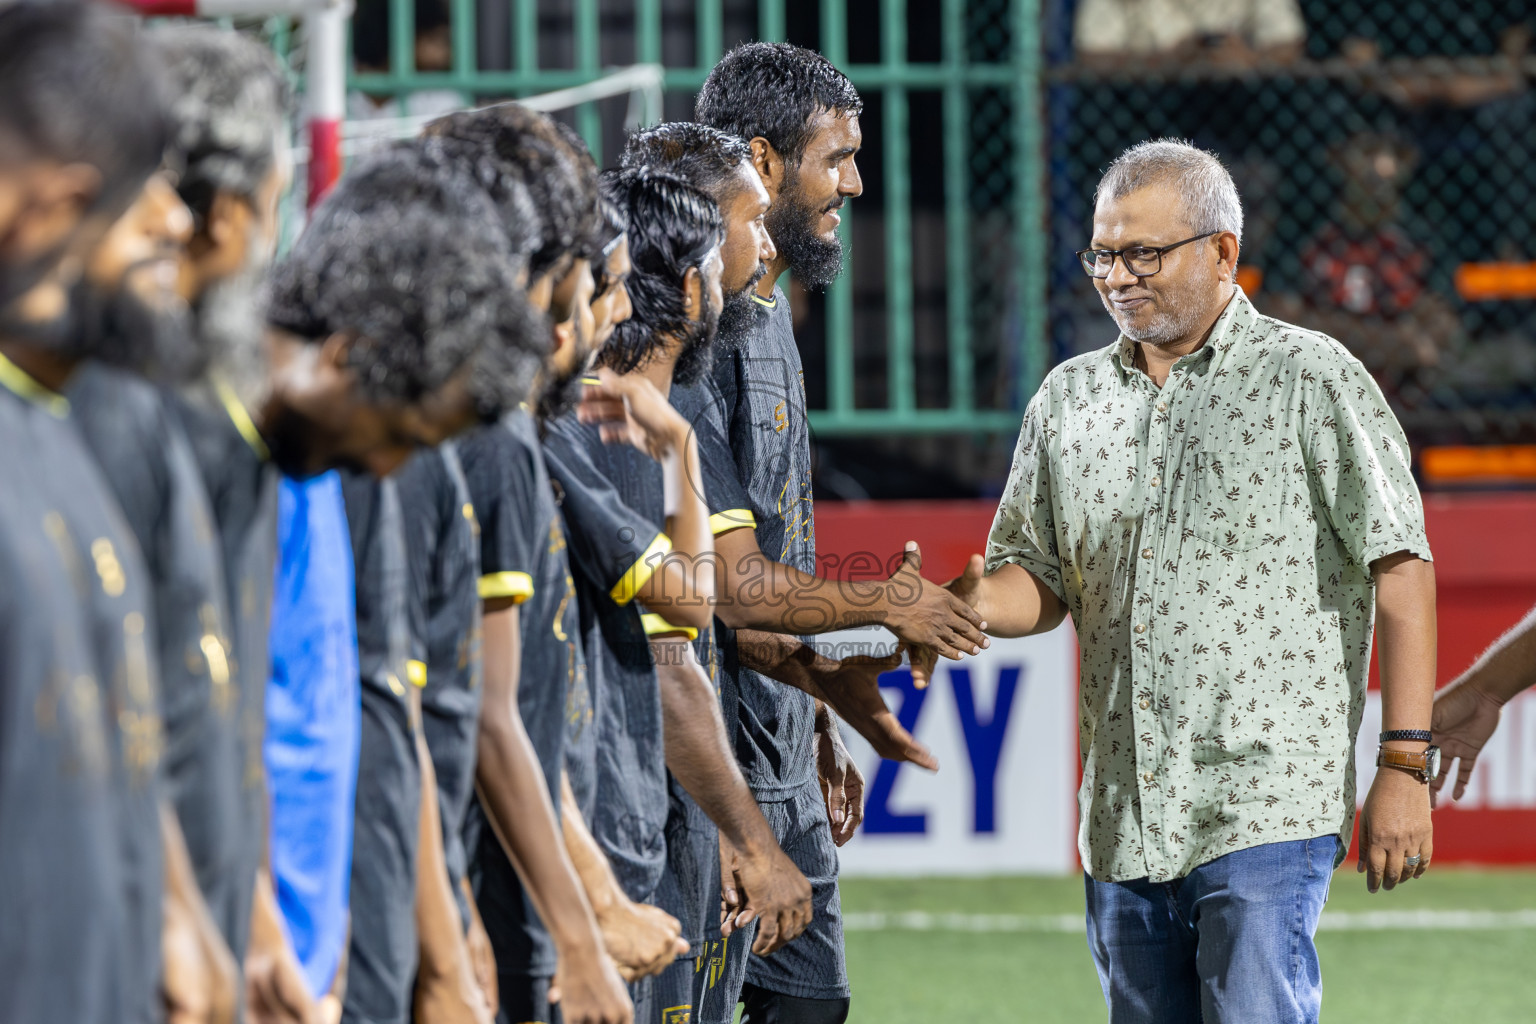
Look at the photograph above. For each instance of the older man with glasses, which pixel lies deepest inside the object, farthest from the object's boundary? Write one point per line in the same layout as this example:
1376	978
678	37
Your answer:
1224	504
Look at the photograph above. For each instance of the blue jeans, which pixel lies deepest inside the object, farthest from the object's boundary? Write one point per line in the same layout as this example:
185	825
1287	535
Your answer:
1229	943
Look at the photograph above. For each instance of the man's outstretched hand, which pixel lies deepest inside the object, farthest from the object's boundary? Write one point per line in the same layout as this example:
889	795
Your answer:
923	614
642	940
629	410
963	588
842	784
1463	719
967	586
766	887
851	688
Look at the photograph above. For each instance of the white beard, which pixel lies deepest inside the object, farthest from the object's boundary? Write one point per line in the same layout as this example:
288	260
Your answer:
1164	328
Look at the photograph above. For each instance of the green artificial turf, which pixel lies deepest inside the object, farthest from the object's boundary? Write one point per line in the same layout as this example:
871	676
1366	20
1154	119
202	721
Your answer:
1487	976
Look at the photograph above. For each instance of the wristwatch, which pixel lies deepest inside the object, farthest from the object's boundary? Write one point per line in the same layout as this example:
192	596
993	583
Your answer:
1426	764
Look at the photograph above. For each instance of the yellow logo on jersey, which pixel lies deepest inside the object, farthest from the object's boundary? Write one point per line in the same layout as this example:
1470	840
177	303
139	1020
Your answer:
712	960
780	419
107	567
677	1015
215	656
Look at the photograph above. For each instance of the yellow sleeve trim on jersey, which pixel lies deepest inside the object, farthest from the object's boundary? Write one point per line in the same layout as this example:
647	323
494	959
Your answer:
240	416
516	585
416	672
731	519
639	574
655	625
13	378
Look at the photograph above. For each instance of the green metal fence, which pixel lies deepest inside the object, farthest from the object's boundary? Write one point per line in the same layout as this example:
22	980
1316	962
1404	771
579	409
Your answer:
992	351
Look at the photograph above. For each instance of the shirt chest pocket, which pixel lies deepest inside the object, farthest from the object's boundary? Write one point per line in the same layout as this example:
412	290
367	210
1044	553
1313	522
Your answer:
1238	498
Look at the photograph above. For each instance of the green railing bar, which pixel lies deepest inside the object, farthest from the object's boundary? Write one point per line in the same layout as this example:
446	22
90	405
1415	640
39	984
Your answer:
898	214
709	31
525	41
402	38
863	76
648	31
957	210
770	21
834	32
589	122
1028	181
462	27
828	423
280	33
834	44
955	77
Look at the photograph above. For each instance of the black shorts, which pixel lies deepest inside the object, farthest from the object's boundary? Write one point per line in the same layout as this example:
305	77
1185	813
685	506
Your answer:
525	1000
671	995
689	888
811	967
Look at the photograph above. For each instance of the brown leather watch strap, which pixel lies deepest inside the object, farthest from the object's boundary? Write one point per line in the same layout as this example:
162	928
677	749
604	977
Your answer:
1418	763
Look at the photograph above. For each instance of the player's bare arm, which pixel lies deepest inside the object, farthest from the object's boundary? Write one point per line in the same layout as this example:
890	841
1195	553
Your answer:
849	686
482	956
759	593
276	991
515	795
1012	600
842	784
699	755
642	940
1396	838
1467	711
200	972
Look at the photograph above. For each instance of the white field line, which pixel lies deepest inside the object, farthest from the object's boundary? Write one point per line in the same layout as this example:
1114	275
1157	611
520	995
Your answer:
1336	921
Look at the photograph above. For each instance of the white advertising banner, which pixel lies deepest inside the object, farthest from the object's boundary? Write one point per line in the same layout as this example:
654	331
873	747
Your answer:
1003	726
1505	777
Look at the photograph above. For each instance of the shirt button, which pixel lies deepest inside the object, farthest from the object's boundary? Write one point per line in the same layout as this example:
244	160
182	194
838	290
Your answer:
1147	777
1141	627
1146	552
1157	481
1162	406
1145	705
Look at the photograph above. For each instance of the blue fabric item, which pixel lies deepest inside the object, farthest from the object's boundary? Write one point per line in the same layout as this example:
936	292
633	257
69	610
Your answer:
313	722
1229	942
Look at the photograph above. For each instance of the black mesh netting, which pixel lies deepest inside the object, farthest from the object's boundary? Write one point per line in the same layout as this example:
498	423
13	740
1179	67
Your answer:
1384	153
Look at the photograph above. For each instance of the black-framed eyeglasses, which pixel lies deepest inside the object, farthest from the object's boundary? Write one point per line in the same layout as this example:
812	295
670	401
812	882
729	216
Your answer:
1141	260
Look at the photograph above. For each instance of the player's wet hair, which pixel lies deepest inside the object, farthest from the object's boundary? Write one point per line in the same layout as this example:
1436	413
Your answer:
673	227
521	222
406	254
229	105
705	157
773	90
613	223
523	146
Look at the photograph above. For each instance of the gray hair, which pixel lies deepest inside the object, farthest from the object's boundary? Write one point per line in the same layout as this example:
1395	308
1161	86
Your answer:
229	106
1210	197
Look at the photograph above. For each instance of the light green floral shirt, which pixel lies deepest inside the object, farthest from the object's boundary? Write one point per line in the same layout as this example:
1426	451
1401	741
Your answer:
1212	541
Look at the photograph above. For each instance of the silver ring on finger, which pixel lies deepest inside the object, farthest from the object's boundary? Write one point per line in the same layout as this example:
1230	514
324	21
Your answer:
1413	861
